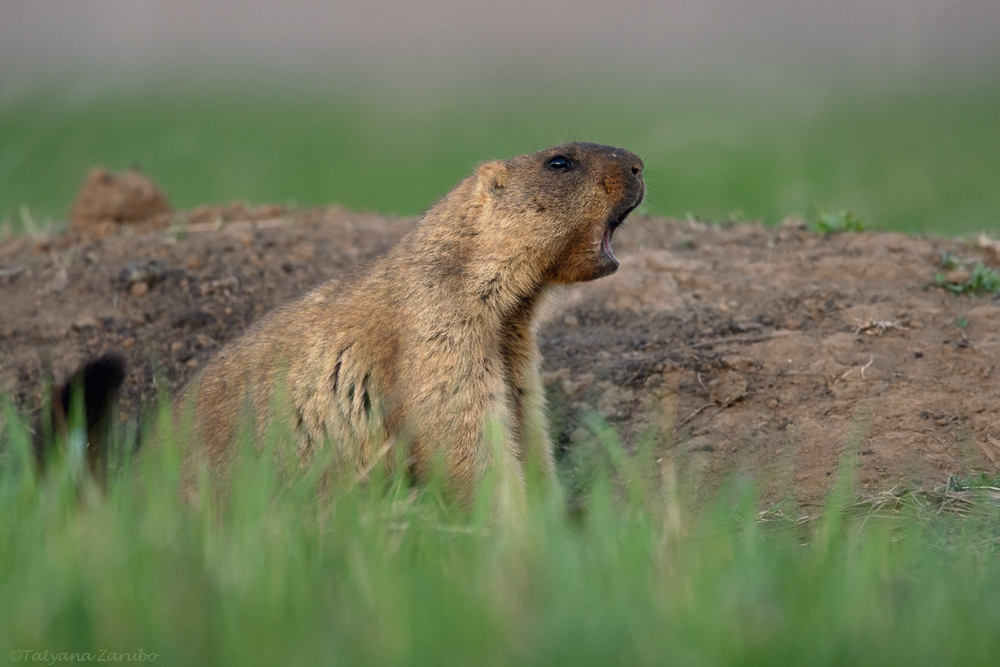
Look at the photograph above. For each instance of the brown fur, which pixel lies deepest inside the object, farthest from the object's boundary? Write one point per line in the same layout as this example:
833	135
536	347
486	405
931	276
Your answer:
433	349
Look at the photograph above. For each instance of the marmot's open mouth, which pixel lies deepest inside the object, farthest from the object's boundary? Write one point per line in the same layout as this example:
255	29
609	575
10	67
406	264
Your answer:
613	224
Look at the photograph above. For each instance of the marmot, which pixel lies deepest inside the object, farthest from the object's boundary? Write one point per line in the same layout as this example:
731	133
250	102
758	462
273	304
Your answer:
430	356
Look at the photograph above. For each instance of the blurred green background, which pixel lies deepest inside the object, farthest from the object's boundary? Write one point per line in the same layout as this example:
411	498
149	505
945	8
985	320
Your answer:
890	109
905	157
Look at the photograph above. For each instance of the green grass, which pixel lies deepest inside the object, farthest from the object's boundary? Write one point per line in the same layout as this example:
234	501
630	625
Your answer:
981	280
902	158
836	223
980	480
282	573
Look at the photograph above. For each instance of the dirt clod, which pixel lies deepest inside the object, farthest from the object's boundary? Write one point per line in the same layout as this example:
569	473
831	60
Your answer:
107	200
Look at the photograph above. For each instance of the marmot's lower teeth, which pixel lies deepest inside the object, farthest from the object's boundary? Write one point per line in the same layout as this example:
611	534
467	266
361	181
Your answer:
606	243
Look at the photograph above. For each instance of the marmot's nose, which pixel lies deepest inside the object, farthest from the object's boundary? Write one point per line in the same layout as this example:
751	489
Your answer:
637	167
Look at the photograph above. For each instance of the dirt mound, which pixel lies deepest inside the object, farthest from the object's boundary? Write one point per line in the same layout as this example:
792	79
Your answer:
736	348
107	200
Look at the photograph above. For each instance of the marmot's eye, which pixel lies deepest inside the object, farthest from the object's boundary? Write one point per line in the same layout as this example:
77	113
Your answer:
558	163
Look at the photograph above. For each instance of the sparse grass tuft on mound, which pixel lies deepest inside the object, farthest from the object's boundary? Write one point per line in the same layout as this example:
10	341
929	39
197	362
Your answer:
835	223
981	280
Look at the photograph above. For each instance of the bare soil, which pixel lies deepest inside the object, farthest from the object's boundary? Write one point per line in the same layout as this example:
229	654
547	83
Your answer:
733	348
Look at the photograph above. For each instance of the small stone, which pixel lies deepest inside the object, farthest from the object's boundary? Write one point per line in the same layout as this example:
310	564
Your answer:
727	388
85	322
139	290
222	286
736	362
191	318
699	444
150	272
957	276
571	322
204	341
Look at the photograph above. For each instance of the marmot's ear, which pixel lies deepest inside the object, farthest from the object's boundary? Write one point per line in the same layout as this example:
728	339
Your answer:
492	177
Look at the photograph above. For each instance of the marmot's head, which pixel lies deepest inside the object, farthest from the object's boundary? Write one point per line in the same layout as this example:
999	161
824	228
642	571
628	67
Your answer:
562	205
